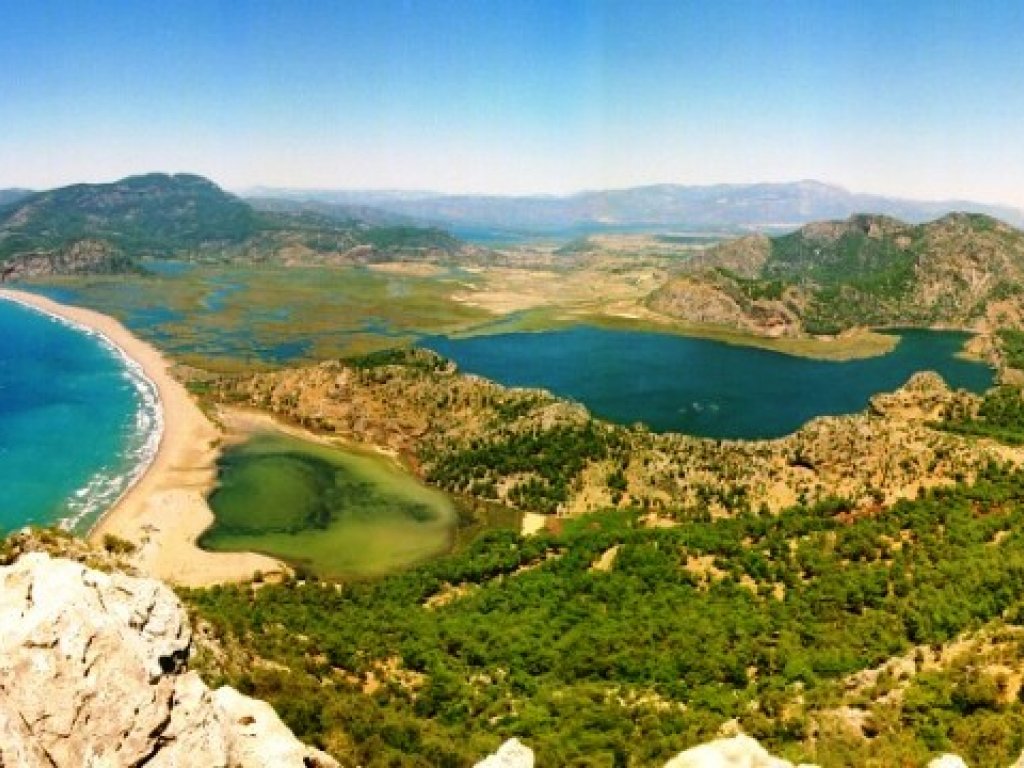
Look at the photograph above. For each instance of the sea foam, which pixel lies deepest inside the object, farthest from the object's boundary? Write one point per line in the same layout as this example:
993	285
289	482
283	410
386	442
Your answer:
108	485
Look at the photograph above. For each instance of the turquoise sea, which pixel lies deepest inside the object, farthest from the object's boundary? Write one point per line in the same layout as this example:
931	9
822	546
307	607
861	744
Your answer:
704	387
78	421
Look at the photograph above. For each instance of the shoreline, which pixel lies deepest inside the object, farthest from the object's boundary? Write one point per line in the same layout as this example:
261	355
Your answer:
164	511
143	384
856	344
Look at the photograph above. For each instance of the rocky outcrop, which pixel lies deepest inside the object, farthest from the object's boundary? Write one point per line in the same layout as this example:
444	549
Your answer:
740	751
744	256
79	257
717	299
925	397
737	752
511	754
93	673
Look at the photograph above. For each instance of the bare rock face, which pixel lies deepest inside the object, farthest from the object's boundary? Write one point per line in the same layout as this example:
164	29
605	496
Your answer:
737	752
711	299
947	761
511	754
92	674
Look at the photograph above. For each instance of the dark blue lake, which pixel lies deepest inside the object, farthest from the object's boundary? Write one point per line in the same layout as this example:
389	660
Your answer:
703	387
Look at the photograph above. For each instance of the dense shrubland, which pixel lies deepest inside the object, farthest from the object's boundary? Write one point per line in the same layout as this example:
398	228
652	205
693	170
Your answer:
532	451
758	618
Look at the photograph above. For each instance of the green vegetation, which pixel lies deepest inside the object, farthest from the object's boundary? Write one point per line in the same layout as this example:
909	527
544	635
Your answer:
115	545
188	217
154	215
854	258
263	315
387	238
856	276
1011	343
628	666
870	270
1000	416
406	357
755	289
550	459
329	512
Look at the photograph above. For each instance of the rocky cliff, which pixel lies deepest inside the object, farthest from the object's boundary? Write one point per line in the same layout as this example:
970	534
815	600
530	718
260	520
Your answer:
93	672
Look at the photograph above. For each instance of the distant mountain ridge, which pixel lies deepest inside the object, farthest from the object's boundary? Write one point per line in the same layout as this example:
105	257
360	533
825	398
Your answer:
8	196
151	215
660	207
338	212
113	227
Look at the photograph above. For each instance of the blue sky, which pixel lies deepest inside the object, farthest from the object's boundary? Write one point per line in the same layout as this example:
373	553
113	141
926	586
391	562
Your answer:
913	98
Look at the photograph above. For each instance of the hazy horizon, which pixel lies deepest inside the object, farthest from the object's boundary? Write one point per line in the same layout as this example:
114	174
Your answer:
916	100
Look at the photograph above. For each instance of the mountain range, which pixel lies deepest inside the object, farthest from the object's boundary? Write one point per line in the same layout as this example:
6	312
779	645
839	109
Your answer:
8	196
114	227
727	208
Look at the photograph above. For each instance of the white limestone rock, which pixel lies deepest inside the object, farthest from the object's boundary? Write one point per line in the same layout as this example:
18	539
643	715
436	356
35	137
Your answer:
92	675
739	751
511	754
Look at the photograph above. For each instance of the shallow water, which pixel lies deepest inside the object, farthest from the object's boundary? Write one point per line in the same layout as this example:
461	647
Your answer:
265	315
77	422
338	513
704	387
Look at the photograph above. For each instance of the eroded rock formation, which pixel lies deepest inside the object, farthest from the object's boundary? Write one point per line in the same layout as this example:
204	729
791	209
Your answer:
93	673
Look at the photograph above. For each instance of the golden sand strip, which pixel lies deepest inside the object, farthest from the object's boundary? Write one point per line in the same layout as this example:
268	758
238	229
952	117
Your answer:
166	511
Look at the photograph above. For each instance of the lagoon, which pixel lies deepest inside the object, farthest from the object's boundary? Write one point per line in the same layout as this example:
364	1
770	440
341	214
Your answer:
700	386
337	513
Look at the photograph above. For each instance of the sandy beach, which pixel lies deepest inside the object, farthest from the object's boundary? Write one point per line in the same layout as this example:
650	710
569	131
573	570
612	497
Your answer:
165	512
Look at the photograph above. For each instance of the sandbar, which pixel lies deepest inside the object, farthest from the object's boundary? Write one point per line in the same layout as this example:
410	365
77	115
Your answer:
165	512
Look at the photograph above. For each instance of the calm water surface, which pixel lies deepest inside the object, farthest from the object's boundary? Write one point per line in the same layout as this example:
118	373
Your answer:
704	387
339	513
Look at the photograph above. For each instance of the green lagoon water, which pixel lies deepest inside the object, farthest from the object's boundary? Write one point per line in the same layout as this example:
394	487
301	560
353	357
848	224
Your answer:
338	513
704	387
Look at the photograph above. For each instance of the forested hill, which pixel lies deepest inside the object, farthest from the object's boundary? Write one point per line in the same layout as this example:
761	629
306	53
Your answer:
8	196
963	269
112	227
